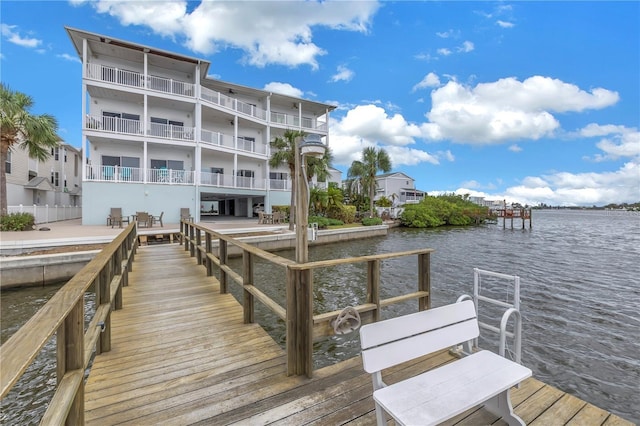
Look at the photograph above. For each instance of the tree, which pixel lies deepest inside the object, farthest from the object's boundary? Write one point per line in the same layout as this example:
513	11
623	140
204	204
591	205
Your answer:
36	134
364	172
283	153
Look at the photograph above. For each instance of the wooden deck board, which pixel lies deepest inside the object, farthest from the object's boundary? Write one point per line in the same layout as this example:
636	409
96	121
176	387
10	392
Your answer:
181	355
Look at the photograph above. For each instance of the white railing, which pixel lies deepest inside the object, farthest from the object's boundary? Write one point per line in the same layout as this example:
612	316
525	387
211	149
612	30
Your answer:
249	182
114	173
251	110
136	79
115	75
169	176
169	85
170	131
216	138
216	179
280	184
46	213
216	98
113	124
250	145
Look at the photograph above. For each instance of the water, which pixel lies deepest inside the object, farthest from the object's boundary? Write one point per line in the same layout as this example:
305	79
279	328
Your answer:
580	295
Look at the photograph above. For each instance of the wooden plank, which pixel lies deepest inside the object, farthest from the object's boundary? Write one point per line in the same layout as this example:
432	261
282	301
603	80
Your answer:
182	355
588	415
561	412
537	403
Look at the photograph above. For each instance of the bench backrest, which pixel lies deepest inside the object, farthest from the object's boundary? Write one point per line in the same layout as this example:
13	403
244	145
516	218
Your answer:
393	341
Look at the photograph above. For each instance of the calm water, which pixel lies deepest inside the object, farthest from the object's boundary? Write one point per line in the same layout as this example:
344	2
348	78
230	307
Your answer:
580	294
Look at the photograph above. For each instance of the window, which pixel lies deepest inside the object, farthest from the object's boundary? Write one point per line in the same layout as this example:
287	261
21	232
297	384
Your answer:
121	122
245	173
56	153
217	170
7	163
55	178
279	176
167	164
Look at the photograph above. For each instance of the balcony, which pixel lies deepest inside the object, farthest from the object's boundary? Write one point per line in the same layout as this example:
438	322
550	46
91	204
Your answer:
118	174
134	127
128	78
136	79
230	181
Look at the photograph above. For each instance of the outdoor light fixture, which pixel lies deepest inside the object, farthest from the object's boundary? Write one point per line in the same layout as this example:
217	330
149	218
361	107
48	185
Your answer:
312	146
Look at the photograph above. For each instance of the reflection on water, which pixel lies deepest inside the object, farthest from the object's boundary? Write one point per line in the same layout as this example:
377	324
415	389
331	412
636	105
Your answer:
579	290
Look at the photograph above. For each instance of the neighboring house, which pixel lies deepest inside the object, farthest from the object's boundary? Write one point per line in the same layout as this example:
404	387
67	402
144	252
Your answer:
160	134
399	188
54	182
335	176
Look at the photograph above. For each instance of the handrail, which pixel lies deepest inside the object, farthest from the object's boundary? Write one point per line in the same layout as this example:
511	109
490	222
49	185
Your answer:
63	315
303	327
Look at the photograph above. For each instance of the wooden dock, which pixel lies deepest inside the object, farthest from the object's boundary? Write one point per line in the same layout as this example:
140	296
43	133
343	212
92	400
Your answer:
180	354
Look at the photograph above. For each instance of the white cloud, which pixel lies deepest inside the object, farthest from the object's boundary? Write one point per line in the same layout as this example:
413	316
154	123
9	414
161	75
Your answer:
466	47
280	32
429	80
584	189
444	52
70	58
9	32
426	57
506	110
343	74
448	33
505	24
370	125
515	148
283	89
621	141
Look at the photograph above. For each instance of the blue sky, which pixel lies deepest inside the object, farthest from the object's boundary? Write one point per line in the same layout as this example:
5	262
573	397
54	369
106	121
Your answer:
535	102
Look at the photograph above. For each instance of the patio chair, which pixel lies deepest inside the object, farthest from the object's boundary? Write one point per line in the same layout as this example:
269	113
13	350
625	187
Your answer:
145	220
158	219
185	214
116	218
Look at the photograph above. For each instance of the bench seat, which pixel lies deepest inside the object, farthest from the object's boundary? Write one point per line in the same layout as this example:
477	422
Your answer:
440	394
479	378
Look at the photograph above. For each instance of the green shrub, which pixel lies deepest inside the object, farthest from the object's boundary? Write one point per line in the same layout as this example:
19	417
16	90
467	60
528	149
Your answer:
370	221
17	222
346	214
324	222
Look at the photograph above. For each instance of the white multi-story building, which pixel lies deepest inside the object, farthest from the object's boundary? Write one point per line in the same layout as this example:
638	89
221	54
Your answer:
160	134
55	181
398	187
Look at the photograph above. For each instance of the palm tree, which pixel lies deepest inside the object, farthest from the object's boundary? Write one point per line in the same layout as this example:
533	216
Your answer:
34	133
364	172
284	153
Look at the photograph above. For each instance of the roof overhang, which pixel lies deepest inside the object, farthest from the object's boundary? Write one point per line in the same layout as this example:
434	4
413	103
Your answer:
39	183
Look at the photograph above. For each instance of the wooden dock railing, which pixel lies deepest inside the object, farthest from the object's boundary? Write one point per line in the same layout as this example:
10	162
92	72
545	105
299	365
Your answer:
302	326
63	315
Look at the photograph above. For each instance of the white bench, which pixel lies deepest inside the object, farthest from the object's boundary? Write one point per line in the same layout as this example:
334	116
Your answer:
440	394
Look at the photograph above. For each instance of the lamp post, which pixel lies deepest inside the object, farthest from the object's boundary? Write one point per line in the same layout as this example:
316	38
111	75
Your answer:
300	281
312	146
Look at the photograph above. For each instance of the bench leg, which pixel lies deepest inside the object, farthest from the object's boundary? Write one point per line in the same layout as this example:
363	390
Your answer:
500	405
380	417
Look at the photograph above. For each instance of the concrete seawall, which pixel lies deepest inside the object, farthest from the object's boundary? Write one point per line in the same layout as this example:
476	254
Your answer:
24	271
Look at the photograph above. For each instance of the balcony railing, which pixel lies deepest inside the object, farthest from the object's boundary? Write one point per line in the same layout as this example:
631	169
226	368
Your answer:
216	138
167	85
231	181
134	127
136	175
280	184
136	79
170	131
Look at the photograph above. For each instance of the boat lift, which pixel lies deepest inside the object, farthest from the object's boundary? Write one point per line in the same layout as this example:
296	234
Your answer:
513	309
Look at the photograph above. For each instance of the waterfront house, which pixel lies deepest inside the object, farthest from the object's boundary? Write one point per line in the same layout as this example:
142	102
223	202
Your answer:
159	134
399	188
